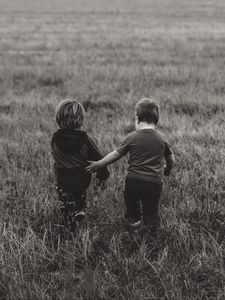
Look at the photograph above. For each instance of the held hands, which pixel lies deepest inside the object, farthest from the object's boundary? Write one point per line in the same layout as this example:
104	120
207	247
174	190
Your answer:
92	167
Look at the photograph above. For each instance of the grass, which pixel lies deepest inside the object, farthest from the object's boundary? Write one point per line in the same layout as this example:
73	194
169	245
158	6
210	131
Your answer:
108	55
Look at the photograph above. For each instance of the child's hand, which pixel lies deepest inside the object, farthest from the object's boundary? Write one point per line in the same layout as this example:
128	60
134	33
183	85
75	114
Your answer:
92	167
101	183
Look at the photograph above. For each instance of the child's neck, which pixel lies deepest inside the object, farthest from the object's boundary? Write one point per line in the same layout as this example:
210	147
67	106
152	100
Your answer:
77	128
144	125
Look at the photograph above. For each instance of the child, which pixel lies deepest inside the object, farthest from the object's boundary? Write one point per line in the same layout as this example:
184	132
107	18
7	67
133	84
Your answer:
148	150
72	148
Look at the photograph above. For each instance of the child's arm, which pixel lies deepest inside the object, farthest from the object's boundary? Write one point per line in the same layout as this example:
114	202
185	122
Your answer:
111	157
108	159
94	154
170	160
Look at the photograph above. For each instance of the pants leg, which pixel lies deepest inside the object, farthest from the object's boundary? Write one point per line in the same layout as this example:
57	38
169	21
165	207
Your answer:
150	203
132	200
71	205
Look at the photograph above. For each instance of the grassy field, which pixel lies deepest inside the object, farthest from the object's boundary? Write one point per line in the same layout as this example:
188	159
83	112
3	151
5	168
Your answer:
108	55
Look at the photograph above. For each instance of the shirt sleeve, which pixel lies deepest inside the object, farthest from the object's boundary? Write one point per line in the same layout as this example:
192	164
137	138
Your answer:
95	155
168	150
93	151
123	148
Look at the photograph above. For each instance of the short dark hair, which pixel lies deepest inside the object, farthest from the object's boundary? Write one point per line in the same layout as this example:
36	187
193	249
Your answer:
70	114
147	111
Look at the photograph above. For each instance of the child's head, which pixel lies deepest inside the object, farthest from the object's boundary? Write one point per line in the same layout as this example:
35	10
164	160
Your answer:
147	111
70	114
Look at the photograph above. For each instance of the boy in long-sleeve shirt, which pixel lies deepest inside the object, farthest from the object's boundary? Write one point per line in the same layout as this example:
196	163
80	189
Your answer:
72	148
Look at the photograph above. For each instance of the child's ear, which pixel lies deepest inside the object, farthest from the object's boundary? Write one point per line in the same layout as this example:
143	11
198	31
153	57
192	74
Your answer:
137	120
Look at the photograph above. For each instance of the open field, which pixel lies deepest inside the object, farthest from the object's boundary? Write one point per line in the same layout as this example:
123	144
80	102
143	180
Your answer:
108	55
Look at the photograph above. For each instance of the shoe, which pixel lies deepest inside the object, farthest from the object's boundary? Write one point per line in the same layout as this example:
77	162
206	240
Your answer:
135	225
79	216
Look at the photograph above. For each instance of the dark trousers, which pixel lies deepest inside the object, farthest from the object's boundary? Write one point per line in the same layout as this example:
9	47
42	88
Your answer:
142	199
71	205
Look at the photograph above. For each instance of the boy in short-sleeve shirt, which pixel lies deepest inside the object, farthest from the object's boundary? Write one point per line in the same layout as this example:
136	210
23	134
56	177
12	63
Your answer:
147	149
150	157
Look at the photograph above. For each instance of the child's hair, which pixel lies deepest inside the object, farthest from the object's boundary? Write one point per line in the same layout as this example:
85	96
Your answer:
147	111
69	114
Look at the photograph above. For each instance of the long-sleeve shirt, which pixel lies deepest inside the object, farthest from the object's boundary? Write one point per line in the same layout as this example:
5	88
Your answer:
71	150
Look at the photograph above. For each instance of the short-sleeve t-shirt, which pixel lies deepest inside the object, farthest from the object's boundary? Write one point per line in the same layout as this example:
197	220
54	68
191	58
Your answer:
147	149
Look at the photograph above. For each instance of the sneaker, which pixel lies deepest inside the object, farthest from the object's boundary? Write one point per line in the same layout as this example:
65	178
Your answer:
135	225
79	216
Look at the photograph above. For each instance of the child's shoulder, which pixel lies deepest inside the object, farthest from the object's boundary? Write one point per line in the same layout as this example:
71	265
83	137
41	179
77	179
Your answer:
131	135
163	137
92	141
161	134
91	137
